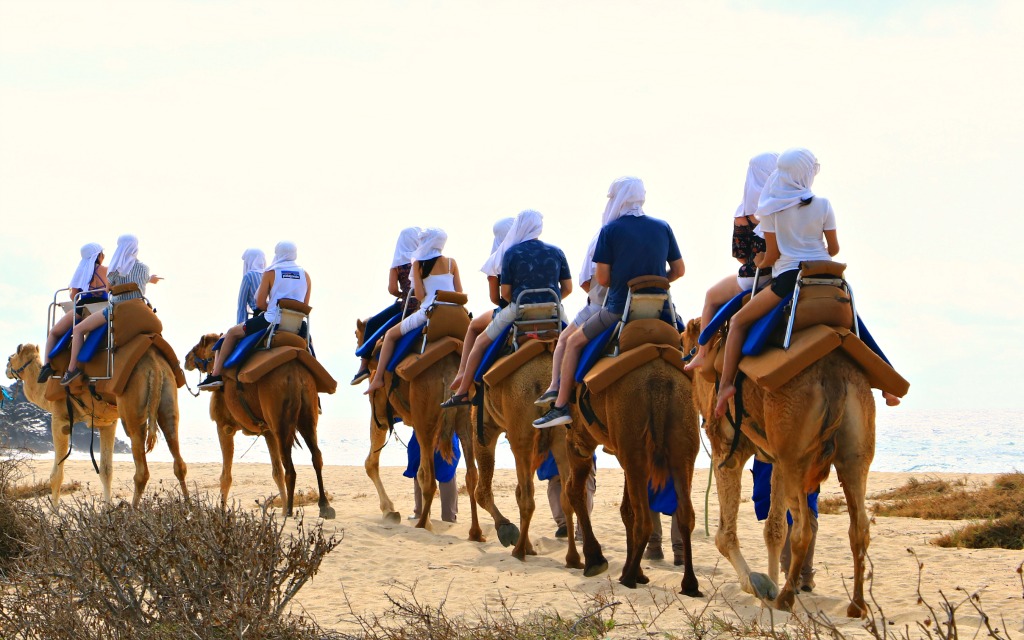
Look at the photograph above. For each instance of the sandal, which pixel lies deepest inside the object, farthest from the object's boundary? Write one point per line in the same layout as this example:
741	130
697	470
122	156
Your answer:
457	400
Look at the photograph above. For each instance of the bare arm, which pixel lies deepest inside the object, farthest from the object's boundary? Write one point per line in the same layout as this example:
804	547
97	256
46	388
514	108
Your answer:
493	290
417	281
676	269
832	241
506	292
309	288
393	287
586	286
566	287
771	252
603	273
263	293
456	278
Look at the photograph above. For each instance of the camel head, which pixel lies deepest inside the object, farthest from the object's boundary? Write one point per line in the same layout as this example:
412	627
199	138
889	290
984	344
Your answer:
23	356
691	334
201	356
360	331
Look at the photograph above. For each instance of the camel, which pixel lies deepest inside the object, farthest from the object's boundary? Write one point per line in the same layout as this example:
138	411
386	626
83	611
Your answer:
418	404
823	417
509	407
280	403
24	365
647	418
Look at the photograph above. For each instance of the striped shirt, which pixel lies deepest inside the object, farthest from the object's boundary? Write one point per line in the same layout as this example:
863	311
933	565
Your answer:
247	295
139	274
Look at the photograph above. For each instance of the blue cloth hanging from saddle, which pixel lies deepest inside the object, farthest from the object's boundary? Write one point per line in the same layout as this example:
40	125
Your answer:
62	344
244	348
403	346
492	353
96	339
547	469
866	338
443	471
593	351
762	495
727	311
376	327
665	499
761	330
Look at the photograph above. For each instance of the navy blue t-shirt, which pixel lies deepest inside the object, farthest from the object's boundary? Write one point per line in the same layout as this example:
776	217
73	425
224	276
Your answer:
534	265
634	246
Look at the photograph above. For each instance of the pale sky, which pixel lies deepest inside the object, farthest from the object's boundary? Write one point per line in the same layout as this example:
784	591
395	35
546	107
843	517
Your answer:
209	127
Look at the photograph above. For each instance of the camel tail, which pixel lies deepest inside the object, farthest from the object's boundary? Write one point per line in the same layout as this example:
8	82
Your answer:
446	432
153	405
541	447
659	418
834	399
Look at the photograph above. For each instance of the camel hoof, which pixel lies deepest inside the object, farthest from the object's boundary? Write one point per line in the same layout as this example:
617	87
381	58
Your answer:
642	579
595	569
691	592
392	517
629	584
573	564
508	534
856	610
763	586
785	601
327	512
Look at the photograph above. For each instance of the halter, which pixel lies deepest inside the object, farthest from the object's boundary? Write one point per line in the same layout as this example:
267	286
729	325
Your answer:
17	372
202	366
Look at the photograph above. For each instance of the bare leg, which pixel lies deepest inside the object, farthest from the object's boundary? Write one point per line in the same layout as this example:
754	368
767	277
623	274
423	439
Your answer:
473	361
574	345
94	321
476	327
556	357
233	335
59	329
387	348
719	293
759	305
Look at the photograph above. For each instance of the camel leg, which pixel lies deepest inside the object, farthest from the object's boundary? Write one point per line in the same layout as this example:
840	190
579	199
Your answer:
579	455
637	519
378	438
775	527
476	533
525	500
307	429
226	435
107	433
276	465
60	431
508	533
572	555
795	500
856	445
137	434
167	418
686	519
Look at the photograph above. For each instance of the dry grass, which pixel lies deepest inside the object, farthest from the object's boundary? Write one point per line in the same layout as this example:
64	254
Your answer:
301	498
40	489
1004	533
832	506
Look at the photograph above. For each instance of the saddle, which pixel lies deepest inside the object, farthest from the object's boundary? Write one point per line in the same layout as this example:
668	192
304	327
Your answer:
535	330
447	323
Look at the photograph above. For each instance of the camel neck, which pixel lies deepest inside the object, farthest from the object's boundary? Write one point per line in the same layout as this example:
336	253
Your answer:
34	391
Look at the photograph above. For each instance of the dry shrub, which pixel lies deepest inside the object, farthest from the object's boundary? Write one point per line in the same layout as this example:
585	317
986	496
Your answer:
832	506
18	521
1003	533
173	568
940	500
301	498
41	489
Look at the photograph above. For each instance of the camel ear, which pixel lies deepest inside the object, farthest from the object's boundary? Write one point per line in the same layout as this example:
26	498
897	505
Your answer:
18	350
360	324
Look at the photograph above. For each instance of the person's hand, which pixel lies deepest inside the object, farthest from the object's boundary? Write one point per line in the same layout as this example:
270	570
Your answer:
154	279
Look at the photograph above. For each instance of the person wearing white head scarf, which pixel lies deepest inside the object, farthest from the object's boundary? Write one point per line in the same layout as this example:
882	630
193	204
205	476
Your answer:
431	272
746	245
630	244
254	262
523	263
400	286
797	226
90	275
284	279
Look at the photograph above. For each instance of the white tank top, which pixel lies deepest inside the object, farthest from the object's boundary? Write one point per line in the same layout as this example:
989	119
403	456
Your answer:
440	282
289	282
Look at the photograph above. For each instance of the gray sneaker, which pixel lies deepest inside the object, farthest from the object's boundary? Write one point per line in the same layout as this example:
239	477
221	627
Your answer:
546	398
554	417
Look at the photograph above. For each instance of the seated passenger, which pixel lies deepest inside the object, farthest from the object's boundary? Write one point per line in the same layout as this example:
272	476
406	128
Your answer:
629	245
400	286
90	275
746	244
431	272
283	279
125	267
479	324
526	263
254	262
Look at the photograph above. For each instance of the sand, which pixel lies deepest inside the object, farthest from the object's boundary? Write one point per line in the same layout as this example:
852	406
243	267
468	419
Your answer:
378	558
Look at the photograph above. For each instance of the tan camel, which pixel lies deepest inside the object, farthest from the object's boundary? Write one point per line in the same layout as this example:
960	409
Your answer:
282	402
509	407
648	419
418	404
24	365
823	417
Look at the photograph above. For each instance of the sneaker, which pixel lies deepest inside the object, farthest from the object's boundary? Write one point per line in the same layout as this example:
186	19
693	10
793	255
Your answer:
70	377
211	382
562	532
554	417
359	377
546	398
45	373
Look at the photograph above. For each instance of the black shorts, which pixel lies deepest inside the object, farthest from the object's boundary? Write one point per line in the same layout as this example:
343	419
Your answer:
256	324
785	283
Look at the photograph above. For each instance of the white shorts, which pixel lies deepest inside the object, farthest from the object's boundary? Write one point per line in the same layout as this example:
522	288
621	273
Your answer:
746	284
500	322
414	321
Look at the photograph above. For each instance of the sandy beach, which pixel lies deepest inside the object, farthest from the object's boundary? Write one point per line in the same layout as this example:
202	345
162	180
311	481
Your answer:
378	558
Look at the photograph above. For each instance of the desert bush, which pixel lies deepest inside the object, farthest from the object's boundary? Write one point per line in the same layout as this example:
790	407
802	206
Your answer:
1005	533
172	568
18	520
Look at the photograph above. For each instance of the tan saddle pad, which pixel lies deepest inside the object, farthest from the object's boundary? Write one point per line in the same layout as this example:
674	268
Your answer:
607	371
263	361
416	363
506	365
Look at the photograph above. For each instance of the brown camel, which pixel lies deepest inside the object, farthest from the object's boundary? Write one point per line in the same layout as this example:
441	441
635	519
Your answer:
418	404
24	365
823	417
647	418
282	402
509	407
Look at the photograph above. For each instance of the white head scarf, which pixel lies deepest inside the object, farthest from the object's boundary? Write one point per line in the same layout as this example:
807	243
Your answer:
527	226
87	267
285	253
790	183
408	238
587	270
625	198
253	260
758	171
431	243
125	255
501	229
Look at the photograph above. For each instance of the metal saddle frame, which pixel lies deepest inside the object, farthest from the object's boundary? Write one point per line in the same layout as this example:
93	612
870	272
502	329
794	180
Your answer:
645	306
541	318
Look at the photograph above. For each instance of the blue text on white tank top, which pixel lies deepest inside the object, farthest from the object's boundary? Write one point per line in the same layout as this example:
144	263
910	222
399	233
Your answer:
290	275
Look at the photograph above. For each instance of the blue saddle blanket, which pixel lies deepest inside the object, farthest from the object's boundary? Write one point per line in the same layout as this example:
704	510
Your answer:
727	311
244	348
404	346
593	351
492	353
444	471
760	331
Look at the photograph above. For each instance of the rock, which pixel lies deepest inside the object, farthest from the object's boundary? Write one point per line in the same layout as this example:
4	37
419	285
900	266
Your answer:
23	425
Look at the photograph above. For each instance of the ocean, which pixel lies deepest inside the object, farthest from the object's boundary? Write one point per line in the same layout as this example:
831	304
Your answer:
907	440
